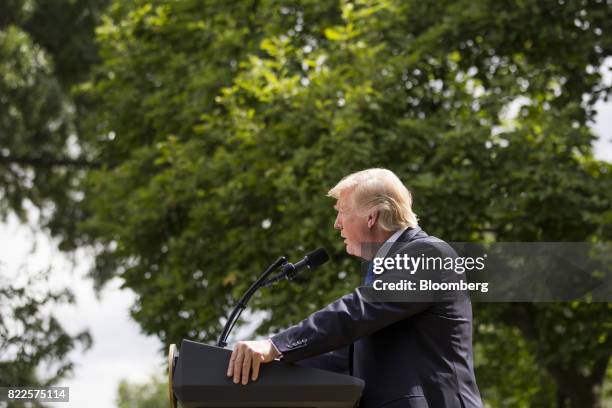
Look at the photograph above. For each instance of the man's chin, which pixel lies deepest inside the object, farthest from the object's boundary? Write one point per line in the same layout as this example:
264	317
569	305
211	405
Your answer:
351	251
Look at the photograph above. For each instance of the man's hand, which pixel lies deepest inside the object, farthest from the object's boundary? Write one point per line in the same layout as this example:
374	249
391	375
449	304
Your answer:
247	355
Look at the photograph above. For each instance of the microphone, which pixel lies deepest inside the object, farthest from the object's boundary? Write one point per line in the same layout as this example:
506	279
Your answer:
312	260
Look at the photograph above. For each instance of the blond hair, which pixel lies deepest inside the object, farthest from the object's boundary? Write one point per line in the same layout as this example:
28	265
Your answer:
382	190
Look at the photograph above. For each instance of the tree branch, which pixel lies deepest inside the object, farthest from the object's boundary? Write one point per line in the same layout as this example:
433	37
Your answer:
38	161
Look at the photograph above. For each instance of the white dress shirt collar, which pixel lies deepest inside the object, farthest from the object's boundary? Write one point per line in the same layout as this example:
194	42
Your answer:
386	247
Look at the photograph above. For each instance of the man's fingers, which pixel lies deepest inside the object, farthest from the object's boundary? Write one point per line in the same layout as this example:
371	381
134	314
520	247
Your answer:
257	358
238	364
246	366
230	366
247	356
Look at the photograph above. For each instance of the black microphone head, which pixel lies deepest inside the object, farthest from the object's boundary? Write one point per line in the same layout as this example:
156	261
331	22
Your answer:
317	257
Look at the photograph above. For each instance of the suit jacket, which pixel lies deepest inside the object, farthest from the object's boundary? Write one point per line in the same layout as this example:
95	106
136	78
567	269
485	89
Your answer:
410	354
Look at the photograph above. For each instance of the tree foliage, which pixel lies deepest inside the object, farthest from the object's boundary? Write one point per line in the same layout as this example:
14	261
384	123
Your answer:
152	394
45	48
219	126
30	336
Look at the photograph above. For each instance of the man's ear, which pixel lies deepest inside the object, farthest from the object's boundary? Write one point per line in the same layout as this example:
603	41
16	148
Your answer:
372	219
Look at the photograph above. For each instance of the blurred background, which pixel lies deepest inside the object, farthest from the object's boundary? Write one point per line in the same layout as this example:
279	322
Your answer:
155	156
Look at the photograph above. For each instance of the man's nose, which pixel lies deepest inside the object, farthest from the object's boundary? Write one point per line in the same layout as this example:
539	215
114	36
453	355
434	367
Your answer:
337	223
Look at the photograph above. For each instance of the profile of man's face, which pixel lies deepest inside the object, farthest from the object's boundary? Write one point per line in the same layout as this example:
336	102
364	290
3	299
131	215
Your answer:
353	226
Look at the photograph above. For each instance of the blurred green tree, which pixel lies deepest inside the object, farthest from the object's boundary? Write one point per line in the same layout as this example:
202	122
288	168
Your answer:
31	336
152	394
45	48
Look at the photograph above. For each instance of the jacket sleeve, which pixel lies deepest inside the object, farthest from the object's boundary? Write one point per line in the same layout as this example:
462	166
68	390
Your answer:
336	361
340	323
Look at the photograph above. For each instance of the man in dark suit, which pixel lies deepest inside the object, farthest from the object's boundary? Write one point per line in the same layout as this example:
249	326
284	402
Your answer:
410	353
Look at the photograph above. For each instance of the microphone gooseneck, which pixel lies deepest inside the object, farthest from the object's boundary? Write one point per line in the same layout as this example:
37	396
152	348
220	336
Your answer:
312	260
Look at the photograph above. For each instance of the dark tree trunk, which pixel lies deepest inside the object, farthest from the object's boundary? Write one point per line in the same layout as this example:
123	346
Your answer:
578	391
574	390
